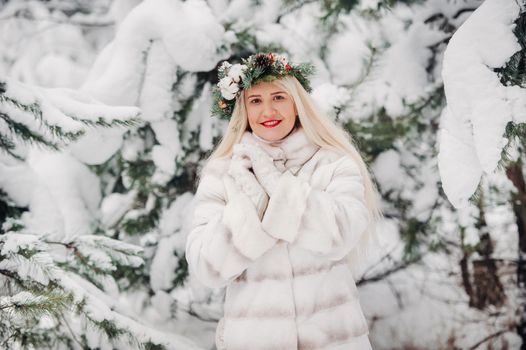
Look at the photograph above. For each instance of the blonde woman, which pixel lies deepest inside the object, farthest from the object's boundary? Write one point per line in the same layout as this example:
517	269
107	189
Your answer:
284	209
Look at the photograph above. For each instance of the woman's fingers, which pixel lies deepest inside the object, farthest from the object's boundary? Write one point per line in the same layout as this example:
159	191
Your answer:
242	155
240	151
238	160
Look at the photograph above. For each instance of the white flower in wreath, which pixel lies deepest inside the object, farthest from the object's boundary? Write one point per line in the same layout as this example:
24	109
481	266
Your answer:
280	58
225	65
237	72
228	88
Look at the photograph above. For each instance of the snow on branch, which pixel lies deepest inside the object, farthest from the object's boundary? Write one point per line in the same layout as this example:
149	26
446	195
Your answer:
173	28
52	117
32	11
479	107
45	283
26	304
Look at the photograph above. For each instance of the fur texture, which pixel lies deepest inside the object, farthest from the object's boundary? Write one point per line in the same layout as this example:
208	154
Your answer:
288	282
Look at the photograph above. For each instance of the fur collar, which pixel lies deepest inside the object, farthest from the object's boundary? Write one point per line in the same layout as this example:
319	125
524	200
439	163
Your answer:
288	153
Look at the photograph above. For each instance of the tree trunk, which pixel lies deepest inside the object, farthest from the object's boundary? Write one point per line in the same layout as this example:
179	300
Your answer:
515	174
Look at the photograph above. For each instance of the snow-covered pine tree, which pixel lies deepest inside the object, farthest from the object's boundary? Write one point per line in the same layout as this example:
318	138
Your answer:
379	73
165	79
484	132
379	66
514	73
55	291
148	173
395	113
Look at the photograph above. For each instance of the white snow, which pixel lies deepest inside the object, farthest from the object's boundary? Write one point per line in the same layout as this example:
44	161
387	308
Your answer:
13	242
97	146
330	97
156	95
387	170
167	134
348	53
65	197
479	106
114	206
17	180
164	264
117	75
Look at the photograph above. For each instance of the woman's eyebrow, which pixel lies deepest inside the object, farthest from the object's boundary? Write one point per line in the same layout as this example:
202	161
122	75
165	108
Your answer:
274	93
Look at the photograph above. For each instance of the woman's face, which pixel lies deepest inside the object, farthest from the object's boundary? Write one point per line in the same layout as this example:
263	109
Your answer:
271	111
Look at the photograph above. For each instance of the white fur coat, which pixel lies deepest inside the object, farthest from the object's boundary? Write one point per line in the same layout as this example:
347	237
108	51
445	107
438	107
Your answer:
288	282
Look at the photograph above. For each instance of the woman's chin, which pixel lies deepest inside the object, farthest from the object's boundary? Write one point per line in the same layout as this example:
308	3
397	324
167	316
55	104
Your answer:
270	134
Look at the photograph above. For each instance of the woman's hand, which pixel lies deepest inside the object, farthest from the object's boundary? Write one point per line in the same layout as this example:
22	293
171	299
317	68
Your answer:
245	179
262	164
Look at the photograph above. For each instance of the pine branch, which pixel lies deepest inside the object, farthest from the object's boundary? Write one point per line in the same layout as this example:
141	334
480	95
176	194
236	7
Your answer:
47	289
44	116
81	22
35	110
97	257
73	335
101	122
23	132
29	305
514	72
489	337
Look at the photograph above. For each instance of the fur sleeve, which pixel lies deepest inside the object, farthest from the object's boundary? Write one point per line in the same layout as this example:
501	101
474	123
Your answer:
226	234
329	221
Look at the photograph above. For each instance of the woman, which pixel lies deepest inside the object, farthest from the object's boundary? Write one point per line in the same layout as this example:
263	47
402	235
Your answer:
284	203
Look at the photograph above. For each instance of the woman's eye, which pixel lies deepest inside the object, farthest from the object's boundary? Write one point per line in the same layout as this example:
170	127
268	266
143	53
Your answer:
280	97
255	100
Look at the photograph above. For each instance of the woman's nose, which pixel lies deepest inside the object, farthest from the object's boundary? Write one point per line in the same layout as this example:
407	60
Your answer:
269	110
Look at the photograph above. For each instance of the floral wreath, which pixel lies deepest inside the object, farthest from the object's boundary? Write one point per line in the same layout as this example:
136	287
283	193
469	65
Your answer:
234	78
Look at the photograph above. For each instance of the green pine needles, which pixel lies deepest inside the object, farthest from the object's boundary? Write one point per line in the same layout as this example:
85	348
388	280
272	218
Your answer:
44	117
49	284
514	72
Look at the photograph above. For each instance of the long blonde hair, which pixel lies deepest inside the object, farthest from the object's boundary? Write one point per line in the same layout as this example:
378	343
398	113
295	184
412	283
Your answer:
324	132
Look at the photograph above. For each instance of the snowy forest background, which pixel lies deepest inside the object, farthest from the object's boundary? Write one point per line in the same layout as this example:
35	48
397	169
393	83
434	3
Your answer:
104	122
